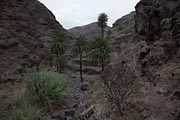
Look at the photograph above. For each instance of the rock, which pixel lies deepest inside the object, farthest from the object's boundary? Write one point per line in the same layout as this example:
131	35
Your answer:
58	116
20	69
70	113
75	106
177	95
9	43
91	71
87	113
84	87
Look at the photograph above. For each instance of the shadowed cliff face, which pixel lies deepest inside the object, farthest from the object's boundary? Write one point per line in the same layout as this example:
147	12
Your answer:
26	28
150	13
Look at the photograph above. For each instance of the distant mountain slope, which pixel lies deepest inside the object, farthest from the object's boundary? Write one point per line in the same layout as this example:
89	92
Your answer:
91	31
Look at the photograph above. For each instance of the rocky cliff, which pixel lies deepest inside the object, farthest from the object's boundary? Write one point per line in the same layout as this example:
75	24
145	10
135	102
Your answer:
91	31
150	15
153	55
26	28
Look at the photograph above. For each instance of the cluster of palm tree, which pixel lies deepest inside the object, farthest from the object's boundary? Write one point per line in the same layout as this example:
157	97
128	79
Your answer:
98	51
59	47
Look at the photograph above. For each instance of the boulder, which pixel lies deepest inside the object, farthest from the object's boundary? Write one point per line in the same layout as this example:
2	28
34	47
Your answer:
9	43
70	113
177	95
91	71
84	87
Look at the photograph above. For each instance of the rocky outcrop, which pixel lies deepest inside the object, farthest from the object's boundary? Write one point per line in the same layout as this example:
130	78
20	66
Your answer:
91	31
26	28
153	54
149	16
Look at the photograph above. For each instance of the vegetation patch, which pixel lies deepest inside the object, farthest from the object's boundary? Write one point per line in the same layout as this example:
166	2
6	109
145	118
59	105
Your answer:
24	111
46	89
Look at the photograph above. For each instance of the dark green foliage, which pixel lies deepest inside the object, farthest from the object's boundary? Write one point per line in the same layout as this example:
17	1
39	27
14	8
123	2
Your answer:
24	111
61	63
80	45
1	114
176	17
59	47
109	33
60	44
102	22
166	21
100	51
47	118
170	20
46	89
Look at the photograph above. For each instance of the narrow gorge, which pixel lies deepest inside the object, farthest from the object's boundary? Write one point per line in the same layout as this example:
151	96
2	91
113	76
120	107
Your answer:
141	80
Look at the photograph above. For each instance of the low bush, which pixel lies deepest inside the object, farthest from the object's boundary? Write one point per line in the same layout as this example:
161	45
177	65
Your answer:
120	84
1	114
46	118
166	21
24	111
46	89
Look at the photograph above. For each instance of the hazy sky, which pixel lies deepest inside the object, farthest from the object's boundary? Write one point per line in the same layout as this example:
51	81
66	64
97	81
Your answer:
71	13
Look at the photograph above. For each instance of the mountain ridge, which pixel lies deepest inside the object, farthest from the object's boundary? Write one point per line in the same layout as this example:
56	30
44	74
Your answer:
91	31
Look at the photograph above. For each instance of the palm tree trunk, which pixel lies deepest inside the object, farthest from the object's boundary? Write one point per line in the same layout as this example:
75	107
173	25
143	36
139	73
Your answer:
102	65
80	57
56	63
102	30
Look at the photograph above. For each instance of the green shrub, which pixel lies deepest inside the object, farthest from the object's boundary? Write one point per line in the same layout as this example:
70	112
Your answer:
46	89
46	118
176	17
166	21
1	114
23	111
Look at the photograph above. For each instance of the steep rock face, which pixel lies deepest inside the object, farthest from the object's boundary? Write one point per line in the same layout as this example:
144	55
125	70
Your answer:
123	31
26	28
153	54
91	31
150	14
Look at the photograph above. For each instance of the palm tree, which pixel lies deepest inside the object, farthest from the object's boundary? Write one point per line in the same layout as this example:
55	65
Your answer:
79	48
100	51
60	44
61	63
102	22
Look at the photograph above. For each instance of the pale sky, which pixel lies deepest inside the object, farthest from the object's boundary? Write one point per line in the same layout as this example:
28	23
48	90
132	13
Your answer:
72	13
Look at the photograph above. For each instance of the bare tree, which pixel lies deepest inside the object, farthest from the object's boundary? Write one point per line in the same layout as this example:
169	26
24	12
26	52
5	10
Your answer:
120	82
